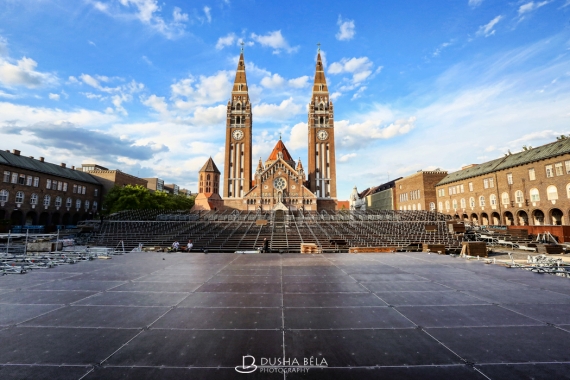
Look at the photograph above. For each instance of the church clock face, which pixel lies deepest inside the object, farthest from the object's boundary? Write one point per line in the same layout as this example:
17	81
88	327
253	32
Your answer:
237	134
279	183
322	134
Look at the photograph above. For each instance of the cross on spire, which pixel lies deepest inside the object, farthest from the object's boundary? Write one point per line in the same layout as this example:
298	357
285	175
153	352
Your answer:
241	43
319	47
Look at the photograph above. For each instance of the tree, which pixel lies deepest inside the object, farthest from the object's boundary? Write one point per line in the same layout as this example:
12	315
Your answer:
138	197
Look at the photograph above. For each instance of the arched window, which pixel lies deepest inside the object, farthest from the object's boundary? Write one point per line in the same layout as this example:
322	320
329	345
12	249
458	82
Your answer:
4	195
534	195
20	197
419	206
78	203
481	201
47	200
94	205
463	205
86	205
68	202
493	199
551	193
414	207
505	198
238	106
34	199
472	202
57	201
431	206
455	203
519	196
447	205
440	206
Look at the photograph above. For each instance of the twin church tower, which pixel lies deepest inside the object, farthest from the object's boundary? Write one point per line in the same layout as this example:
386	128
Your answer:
279	183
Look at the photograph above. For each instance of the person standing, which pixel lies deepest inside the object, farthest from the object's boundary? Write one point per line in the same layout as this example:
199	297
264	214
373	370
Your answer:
265	245
189	246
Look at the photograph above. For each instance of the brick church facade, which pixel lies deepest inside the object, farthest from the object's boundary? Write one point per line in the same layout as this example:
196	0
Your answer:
280	183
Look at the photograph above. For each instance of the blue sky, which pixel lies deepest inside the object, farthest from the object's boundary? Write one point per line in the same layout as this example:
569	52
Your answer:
141	85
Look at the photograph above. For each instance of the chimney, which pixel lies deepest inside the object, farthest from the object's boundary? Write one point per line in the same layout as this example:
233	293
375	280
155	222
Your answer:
32	157
72	167
41	159
63	164
16	152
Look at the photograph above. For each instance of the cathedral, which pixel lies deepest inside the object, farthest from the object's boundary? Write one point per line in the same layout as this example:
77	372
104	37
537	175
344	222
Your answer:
279	183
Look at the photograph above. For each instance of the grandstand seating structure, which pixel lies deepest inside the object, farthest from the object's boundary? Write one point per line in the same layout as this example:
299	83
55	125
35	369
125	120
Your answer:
229	231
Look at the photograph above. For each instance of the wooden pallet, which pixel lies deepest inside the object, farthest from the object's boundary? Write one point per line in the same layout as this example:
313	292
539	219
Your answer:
372	249
310	248
474	248
436	248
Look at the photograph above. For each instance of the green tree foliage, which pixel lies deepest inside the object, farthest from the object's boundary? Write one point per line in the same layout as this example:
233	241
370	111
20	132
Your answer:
139	198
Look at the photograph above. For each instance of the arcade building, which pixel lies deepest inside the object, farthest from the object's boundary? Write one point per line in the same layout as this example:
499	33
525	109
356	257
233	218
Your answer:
279	183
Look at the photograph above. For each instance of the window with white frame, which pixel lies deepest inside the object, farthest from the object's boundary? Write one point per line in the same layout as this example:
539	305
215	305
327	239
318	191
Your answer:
58	201
6	176
95	205
493	200
519	198
454	204
47	200
551	193
74	189
568	190
48	184
419	206
60	186
86	205
481	201
510	178
22	179
4	195
531	174
447	205
29	180
558	168
463	204
470	186
20	197
36	182
491	182
34	199
472	202
567	164
68	202
65	186
486	183
14	178
96	192
462	188
505	198
440	204
78	203
431	206
534	195
84	190
549	173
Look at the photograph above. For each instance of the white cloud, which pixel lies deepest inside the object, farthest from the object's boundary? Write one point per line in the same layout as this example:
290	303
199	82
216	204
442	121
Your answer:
147	12
300	82
346	157
298	137
53	96
351	135
23	73
566	4
207	116
360	68
441	47
274	40
346	29
531	6
157	103
208	14
228	40
204	90
358	93
475	3
488	29
3	46
284	111
27	115
273	81
118	95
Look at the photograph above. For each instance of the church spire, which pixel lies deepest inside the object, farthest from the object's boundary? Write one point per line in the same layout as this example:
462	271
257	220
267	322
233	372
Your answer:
240	81
320	82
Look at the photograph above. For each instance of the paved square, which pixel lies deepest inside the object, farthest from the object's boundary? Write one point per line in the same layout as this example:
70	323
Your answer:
370	316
